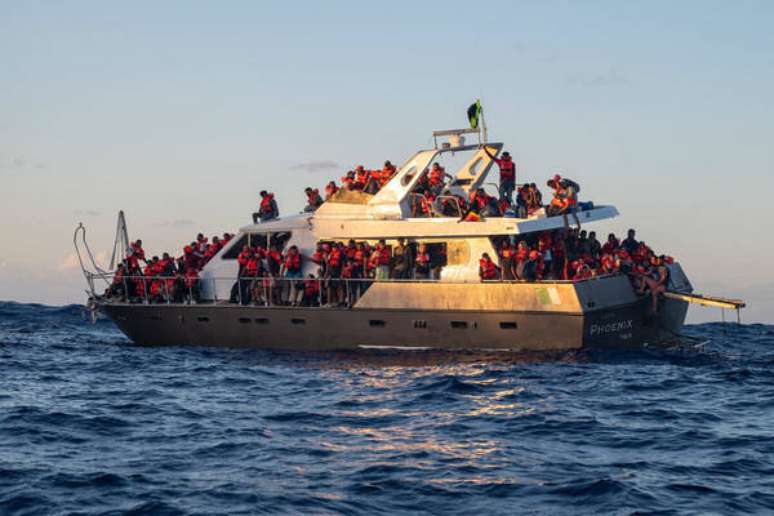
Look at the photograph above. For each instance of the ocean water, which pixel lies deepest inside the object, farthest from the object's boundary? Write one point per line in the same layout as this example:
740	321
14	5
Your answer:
90	424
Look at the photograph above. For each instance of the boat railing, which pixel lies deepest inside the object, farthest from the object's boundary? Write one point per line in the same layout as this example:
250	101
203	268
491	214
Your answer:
266	290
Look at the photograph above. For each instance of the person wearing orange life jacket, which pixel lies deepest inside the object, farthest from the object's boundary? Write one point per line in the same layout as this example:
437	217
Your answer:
565	199
330	190
656	280
436	178
313	199
422	265
268	209
487	270
383	259
507	174
387	172
611	246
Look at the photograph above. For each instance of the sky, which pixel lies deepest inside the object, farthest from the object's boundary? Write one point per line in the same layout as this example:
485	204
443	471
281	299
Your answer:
180	112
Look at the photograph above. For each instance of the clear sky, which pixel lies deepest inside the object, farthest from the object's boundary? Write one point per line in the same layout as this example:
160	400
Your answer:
180	112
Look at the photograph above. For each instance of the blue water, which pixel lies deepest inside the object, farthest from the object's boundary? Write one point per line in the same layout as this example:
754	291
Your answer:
91	424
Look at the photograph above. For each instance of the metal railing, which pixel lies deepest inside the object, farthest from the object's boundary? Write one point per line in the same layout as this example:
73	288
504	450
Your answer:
270	291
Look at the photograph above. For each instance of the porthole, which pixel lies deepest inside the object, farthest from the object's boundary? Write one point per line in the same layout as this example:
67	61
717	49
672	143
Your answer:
508	325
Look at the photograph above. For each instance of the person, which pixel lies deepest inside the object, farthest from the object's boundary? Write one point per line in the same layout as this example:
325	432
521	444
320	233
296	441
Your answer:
611	246
656	281
630	243
291	269
361	178
348	181
311	291
401	260
335	263
534	198
268	209
382	258
313	199
507	174
565	199
487	270
274	263
422	263
388	171
520	259
330	190
250	288
436	178
506	260
191	286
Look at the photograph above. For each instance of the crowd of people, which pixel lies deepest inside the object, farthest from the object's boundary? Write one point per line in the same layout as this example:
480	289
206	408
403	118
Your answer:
269	275
577	255
343	271
165	279
431	195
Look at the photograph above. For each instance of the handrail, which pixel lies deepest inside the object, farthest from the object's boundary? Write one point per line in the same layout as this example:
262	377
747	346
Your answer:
270	290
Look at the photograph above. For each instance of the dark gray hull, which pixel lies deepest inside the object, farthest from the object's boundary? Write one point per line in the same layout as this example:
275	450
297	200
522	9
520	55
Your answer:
341	329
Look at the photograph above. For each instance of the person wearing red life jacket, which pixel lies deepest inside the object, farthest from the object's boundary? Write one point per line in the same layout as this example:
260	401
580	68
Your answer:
191	284
559	252
336	259
348	181
330	190
607	264
313	200
611	246
292	286
507	174
487	270
507	259
422	264
267	209
383	258
137	251
361	178
311	291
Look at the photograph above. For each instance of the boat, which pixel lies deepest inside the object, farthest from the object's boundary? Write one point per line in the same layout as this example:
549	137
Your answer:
455	310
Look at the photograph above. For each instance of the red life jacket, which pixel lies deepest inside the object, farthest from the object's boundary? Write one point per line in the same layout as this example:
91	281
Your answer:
138	252
293	262
384	256
507	168
191	277
436	176
488	269
330	190
334	259
243	257
266	204
311	287
253	264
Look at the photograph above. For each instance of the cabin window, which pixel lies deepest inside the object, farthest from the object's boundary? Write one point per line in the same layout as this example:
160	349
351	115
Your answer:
298	321
508	325
203	319
261	320
244	320
459	325
408	176
376	323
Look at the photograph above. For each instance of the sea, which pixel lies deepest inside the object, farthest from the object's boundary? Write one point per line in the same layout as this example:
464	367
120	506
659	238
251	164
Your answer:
92	424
